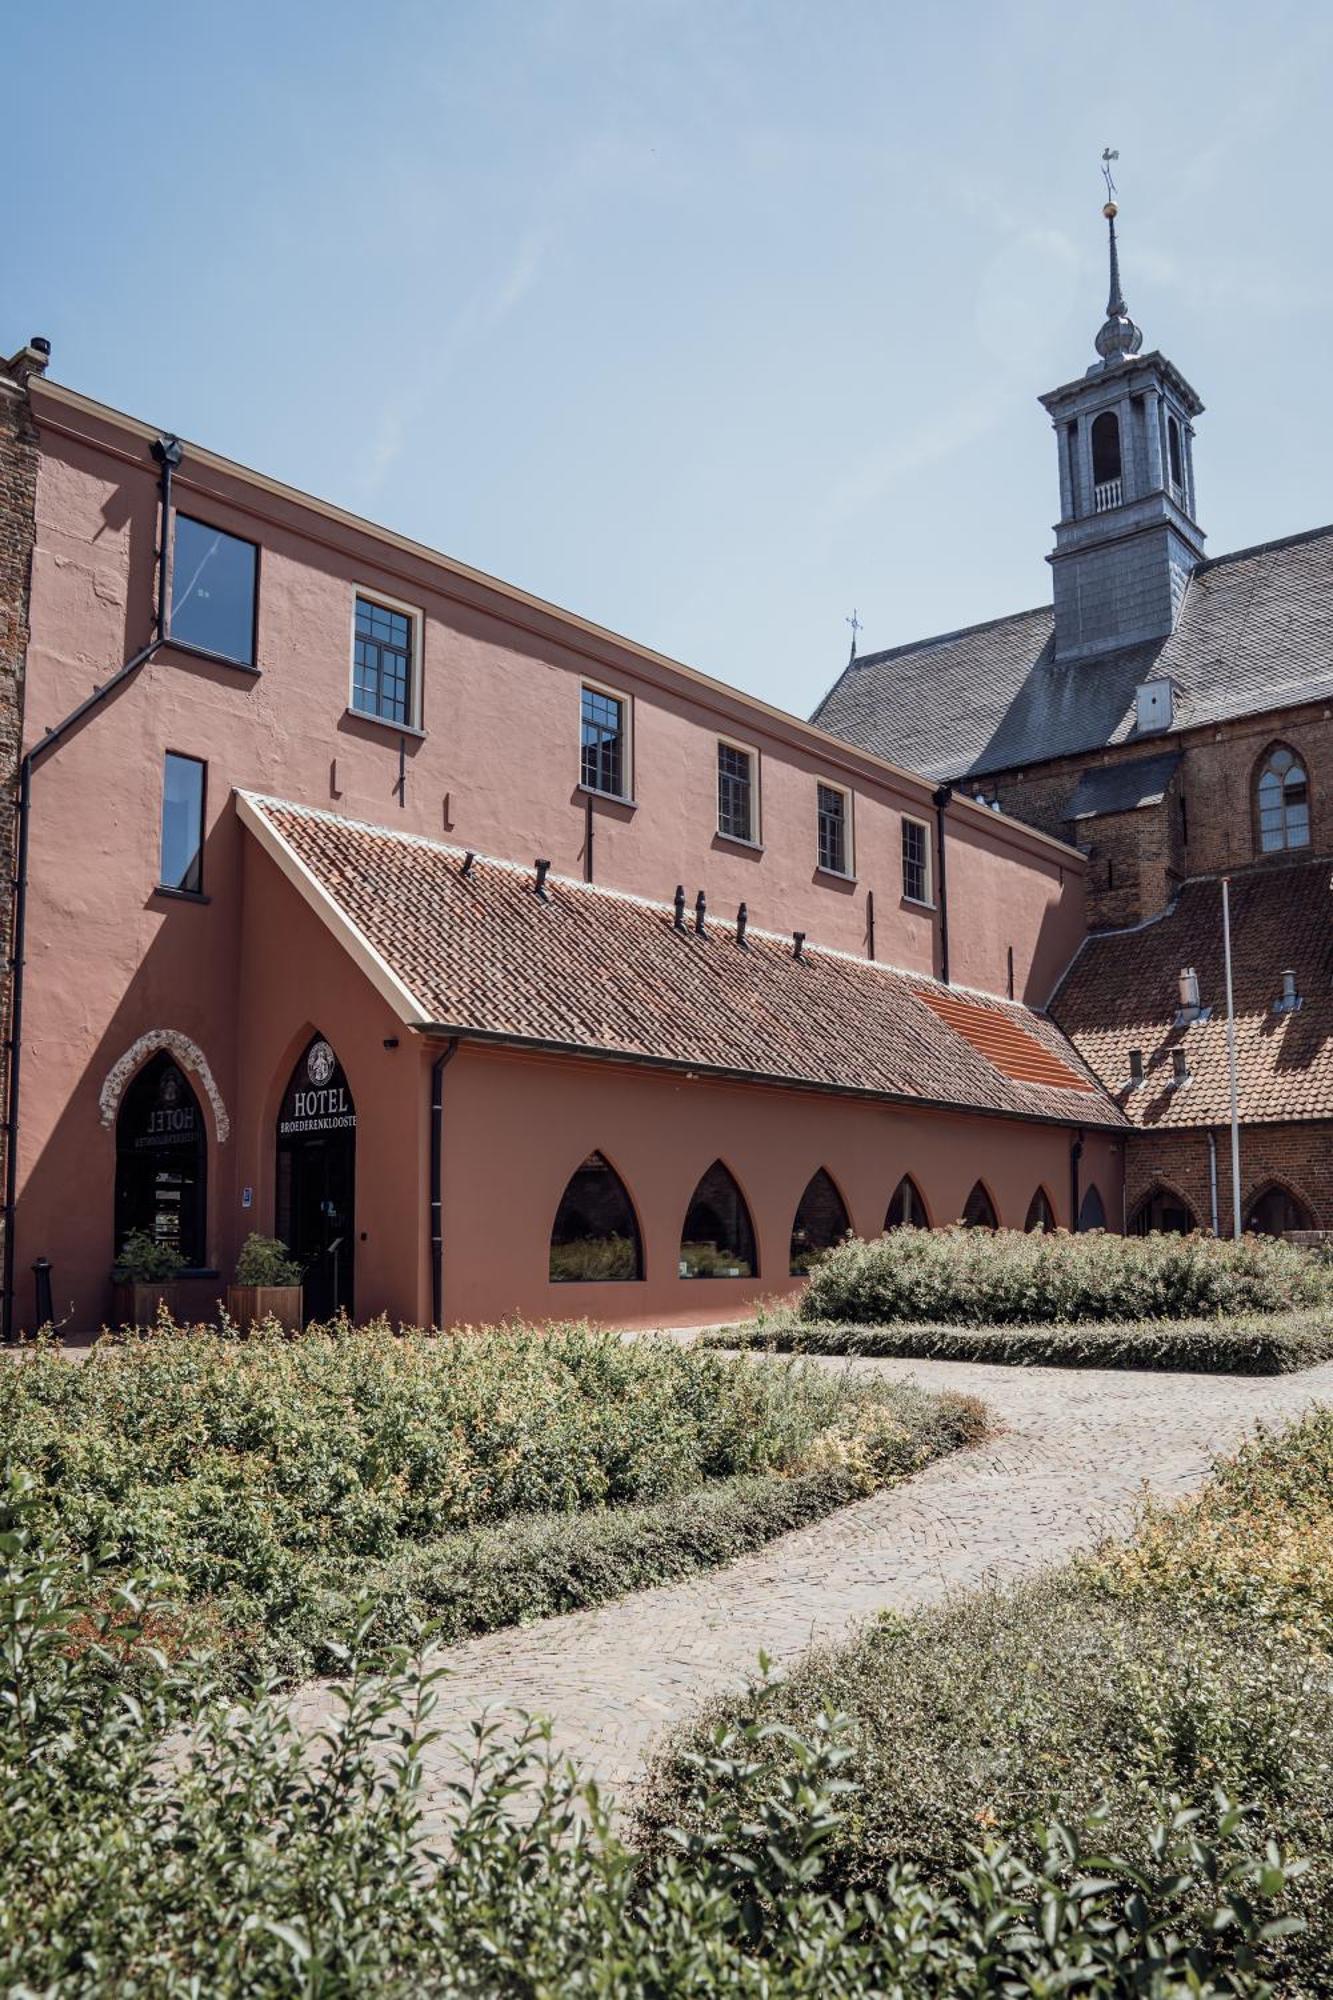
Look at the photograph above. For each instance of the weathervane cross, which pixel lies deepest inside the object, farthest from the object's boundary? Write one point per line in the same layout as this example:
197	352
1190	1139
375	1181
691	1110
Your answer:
856	626
1107	156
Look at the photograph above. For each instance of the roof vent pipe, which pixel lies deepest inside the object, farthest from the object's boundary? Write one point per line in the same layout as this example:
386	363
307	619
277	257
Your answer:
679	919
700	912
466	870
742	919
543	870
798	945
1289	999
1189	988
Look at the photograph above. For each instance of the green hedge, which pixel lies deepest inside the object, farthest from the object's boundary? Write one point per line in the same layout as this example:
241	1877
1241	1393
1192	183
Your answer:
242	1867
1241	1344
982	1277
489	1477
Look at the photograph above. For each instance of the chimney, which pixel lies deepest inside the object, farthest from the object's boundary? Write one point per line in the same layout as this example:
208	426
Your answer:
1189	989
678	904
1289	999
700	913
540	889
798	945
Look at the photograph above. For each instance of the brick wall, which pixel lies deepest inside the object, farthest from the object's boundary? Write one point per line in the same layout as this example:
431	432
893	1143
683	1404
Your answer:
18	499
1297	1157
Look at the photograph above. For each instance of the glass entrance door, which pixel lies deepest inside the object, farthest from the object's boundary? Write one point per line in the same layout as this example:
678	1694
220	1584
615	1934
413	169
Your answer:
316	1180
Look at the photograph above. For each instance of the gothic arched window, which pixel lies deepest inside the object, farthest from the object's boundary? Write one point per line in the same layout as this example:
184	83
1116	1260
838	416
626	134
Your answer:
1105	457
595	1237
1162	1212
1282	797
162	1162
1275	1210
1040	1213
1092	1212
821	1221
980	1210
907	1210
718	1238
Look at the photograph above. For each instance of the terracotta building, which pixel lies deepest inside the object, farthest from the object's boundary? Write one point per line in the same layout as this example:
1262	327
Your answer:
497	963
1171	715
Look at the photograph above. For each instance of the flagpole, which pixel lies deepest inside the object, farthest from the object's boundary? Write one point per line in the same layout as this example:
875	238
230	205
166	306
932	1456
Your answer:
1231	1060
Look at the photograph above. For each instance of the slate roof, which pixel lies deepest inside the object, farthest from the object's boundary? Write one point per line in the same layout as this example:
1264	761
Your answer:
1255	633
594	971
1124	787
1121	993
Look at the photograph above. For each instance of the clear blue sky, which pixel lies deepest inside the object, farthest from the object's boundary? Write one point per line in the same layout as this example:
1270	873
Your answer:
707	318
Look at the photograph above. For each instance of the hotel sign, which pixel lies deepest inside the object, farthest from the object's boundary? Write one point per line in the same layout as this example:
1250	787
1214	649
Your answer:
318	1099
172	1116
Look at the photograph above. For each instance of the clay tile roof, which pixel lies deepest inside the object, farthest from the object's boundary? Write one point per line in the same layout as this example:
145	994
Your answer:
1255	633
595	971
1121	993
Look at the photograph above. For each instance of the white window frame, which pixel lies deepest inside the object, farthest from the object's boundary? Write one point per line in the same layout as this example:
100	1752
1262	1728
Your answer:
417	619
847	873
625	798
926	902
755	836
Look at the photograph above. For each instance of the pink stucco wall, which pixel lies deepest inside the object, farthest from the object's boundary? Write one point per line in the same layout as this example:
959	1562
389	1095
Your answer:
246	974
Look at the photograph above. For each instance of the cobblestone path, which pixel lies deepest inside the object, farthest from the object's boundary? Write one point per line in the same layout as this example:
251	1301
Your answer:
1077	1448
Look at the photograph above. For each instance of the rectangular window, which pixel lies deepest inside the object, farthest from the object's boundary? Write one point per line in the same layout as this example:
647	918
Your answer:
605	761
916	861
383	662
213	578
735	792
182	823
833	842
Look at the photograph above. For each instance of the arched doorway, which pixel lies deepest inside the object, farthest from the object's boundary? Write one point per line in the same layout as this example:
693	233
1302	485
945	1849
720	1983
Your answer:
316	1179
821	1221
1275	1210
1162	1212
718	1238
162	1163
980	1210
906	1209
595	1237
1040	1214
1092	1213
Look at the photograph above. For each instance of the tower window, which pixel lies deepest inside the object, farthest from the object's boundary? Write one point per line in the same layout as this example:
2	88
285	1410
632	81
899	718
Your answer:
1176	454
1106	461
1283	799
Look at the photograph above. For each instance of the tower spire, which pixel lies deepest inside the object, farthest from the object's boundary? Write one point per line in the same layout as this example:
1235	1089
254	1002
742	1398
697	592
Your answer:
1118	337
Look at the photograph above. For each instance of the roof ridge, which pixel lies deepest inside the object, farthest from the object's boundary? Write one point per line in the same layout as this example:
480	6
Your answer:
1262	548
943	638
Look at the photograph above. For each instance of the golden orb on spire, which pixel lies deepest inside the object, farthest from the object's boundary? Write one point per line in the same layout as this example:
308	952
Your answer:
1110	211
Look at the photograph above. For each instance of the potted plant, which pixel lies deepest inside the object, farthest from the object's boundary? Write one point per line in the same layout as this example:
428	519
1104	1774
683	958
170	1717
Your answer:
144	1279
268	1285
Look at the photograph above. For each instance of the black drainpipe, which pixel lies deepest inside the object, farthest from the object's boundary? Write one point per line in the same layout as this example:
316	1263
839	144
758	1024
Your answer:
941	797
437	1069
167	451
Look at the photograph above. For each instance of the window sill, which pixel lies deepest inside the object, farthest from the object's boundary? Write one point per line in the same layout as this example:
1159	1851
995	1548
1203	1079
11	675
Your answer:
612	798
181	895
918	903
383	722
216	659
835	874
739	840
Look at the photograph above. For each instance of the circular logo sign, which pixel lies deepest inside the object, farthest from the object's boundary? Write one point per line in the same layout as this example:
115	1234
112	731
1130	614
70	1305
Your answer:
320	1063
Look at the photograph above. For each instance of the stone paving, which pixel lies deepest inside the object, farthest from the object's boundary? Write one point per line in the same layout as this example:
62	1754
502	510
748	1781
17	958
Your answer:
1076	1449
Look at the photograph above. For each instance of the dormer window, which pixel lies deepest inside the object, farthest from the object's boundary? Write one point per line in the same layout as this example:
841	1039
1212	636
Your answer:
1106	484
1283	801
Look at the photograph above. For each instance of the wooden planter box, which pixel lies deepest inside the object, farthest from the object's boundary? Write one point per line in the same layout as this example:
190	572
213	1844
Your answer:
248	1303
188	1300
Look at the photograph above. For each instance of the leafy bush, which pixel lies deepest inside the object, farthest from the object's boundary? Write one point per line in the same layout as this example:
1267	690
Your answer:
242	1865
271	1478
265	1260
1237	1344
145	1261
594	1260
981	1277
1197	1655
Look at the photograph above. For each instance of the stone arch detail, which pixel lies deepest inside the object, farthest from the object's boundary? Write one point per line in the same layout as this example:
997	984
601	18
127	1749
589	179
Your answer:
1279	1184
190	1057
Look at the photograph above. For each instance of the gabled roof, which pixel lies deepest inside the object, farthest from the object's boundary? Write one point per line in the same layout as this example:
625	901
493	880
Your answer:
1255	633
1121	993
592	972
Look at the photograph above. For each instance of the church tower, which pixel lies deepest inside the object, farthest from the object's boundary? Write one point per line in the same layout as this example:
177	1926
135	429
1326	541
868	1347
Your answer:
1128	535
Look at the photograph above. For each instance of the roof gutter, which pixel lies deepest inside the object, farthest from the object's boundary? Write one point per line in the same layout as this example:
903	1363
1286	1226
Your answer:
167	451
717	1073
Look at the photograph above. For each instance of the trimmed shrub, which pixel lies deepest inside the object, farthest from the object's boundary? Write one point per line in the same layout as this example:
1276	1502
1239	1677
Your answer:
243	1864
508	1472
1238	1344
981	1277
266	1260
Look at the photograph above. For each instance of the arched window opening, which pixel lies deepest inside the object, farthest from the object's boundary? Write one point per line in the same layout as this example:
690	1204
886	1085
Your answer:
980	1210
1092	1212
1163	1212
718	1238
907	1210
1106	488
162	1163
821	1221
1275	1210
1283	801
1040	1214
595	1237
316	1180
1176	453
